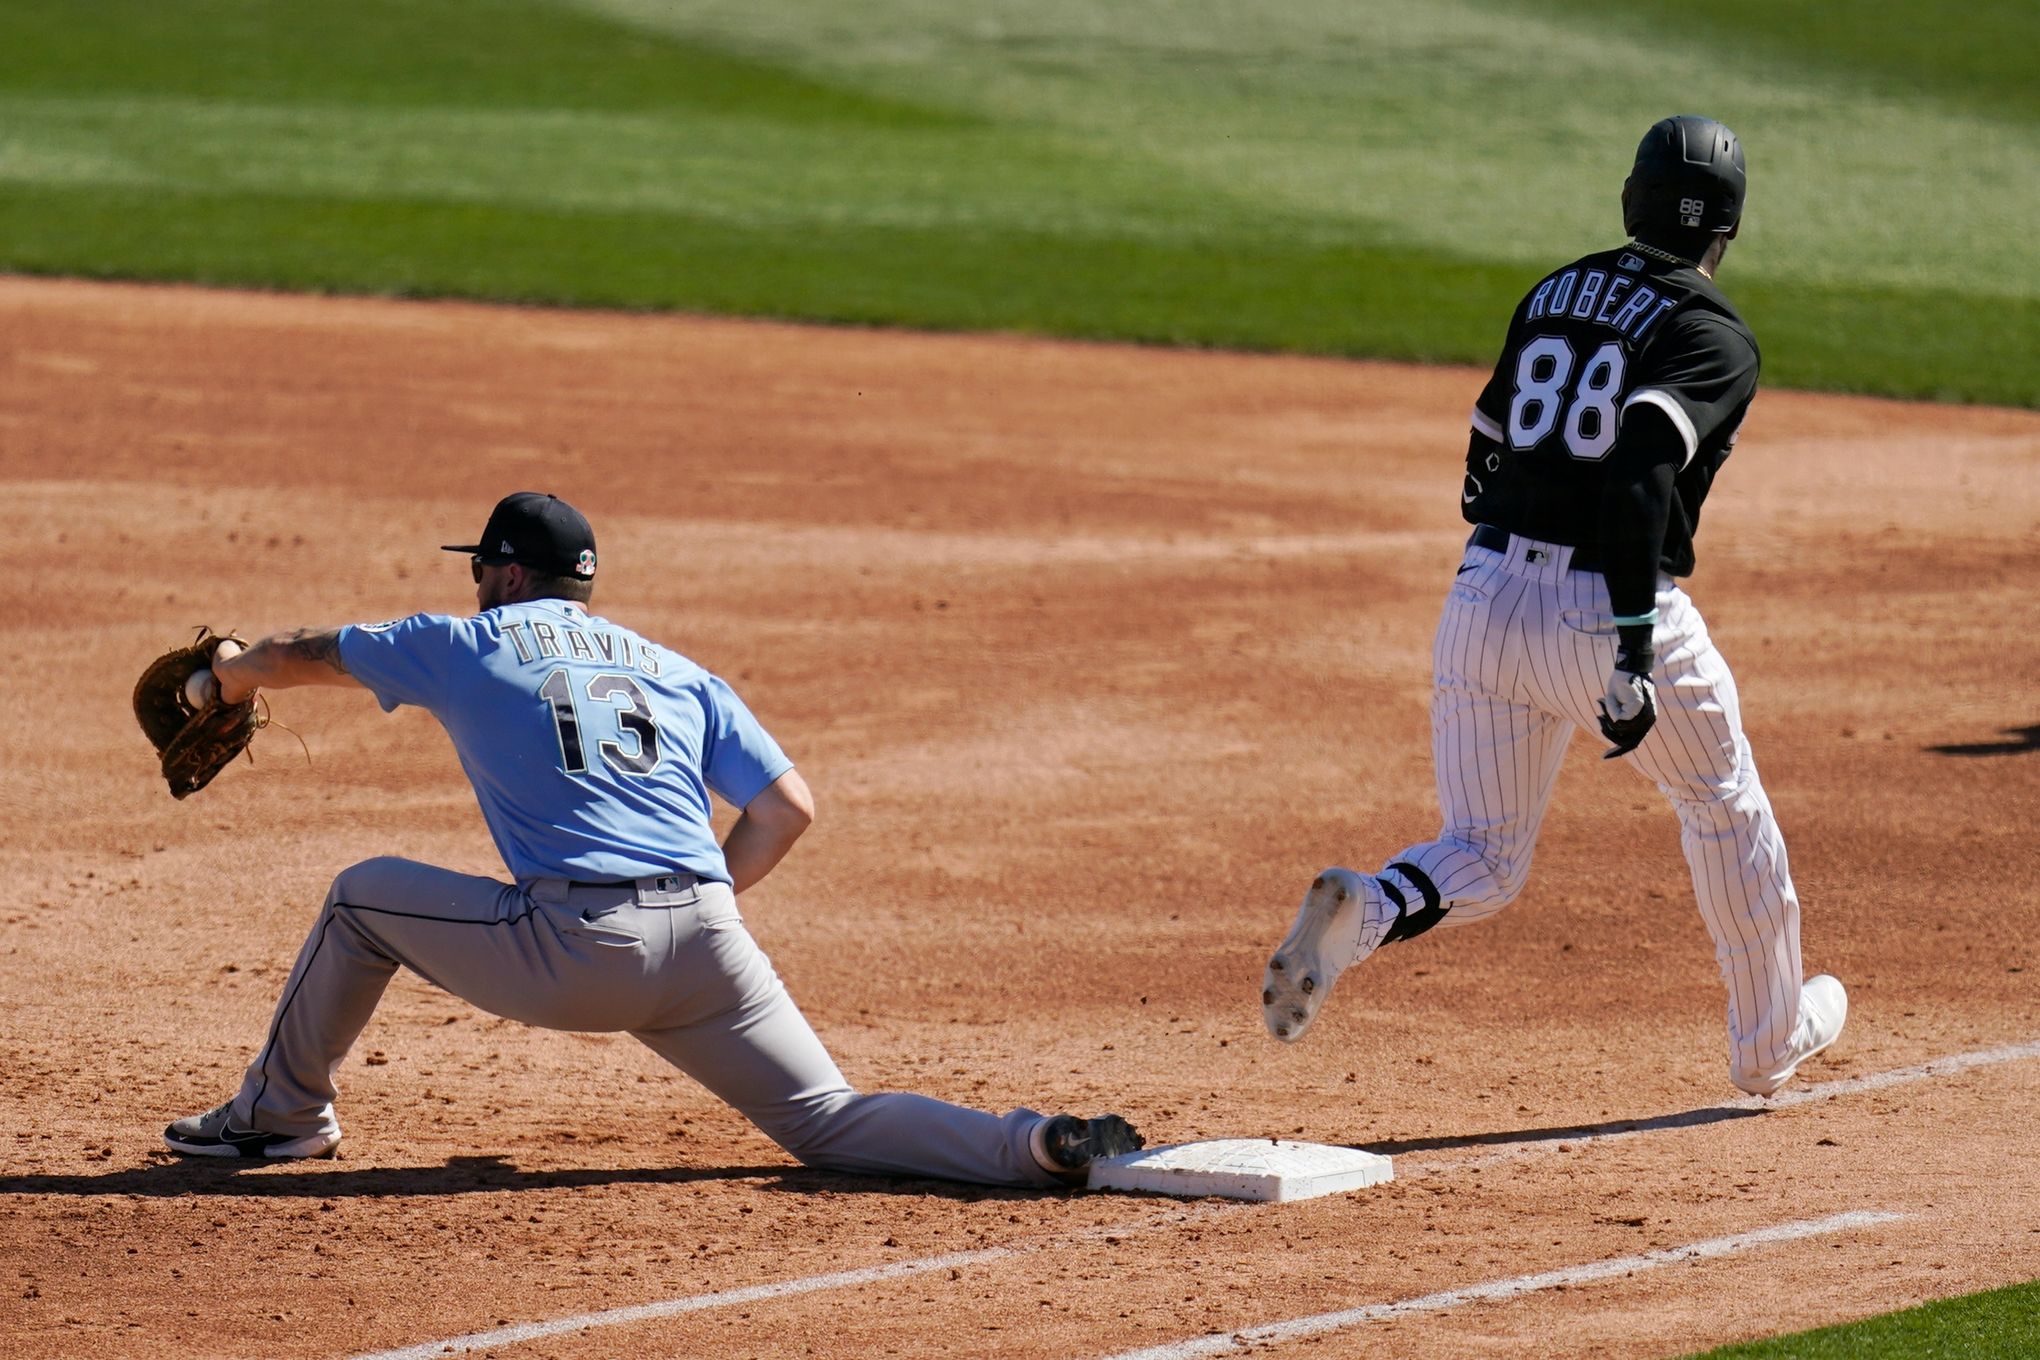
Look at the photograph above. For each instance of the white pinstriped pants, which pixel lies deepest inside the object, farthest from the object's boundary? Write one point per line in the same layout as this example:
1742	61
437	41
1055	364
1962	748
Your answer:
1523	653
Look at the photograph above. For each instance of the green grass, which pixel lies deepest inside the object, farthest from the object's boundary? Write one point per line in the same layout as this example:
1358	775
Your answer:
1402	304
502	54
1318	175
1976	56
2003	1324
850	272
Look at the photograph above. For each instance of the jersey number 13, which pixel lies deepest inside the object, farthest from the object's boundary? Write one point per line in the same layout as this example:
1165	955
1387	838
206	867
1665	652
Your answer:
633	720
1589	411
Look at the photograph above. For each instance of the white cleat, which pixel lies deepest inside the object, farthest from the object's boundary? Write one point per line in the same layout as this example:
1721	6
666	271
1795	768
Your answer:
1330	936
1823	1010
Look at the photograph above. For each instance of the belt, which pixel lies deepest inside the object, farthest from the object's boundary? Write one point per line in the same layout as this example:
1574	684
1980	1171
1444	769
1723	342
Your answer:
1497	540
660	885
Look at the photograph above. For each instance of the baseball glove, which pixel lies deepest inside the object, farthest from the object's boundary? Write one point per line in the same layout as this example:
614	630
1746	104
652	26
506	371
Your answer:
195	742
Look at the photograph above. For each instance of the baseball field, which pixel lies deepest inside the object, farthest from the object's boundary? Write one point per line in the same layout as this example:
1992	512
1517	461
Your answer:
1087	562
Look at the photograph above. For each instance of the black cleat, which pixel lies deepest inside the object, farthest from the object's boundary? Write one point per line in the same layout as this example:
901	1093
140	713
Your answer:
1066	1145
213	1134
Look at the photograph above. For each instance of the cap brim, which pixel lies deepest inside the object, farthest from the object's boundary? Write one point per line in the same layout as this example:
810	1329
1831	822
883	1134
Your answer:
459	547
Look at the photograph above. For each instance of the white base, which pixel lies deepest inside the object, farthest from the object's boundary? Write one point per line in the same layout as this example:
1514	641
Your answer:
1267	1169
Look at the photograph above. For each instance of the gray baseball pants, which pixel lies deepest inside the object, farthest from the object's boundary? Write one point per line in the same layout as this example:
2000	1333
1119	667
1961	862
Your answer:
668	961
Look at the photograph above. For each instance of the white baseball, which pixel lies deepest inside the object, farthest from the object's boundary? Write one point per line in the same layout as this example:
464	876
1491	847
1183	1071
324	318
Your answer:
203	687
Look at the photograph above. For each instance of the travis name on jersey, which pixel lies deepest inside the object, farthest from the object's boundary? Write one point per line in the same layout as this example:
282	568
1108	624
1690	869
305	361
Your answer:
539	640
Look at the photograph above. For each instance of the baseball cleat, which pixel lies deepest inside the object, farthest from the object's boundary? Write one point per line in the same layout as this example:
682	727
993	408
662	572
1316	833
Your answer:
1066	1145
213	1134
1330	936
1823	1010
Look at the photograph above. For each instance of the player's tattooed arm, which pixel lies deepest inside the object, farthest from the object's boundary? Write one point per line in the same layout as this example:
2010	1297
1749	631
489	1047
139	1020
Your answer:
302	656
322	646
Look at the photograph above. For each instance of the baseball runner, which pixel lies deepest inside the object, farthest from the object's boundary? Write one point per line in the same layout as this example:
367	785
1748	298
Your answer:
1617	398
592	752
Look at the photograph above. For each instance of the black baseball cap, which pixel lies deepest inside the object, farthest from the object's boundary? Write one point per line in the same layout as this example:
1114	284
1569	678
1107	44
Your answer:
537	531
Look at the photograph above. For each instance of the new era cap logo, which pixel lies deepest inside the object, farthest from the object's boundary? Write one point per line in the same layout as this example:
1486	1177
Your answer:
503	546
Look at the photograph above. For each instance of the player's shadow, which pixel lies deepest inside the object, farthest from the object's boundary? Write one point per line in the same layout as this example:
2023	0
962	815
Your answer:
2018	741
168	1177
328	1180
1563	1133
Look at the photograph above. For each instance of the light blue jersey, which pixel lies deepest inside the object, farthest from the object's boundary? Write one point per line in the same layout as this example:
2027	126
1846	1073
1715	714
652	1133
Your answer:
592	751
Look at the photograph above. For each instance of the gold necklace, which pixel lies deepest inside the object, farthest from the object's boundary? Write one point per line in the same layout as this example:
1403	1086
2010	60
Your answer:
1663	254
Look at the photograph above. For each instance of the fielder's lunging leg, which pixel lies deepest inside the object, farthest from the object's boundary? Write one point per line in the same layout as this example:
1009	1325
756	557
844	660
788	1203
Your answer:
677	970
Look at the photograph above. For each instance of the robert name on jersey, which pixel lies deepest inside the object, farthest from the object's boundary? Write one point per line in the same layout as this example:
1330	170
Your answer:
1586	294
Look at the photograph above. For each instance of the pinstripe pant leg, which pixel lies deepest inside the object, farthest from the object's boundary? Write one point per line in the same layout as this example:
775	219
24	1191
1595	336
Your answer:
1495	756
1700	759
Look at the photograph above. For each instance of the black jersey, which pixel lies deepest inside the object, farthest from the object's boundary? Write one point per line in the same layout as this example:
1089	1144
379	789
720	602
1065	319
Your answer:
1603	334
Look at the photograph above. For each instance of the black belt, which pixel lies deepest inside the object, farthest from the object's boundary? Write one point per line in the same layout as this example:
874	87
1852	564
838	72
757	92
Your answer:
1497	540
665	883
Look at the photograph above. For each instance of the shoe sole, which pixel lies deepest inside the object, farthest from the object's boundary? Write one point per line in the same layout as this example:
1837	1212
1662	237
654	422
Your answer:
1295	985
318	1145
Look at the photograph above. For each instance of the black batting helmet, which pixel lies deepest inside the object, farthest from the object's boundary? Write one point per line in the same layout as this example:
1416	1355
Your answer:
1688	178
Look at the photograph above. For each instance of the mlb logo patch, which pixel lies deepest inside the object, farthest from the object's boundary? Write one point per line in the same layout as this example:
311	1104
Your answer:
1629	263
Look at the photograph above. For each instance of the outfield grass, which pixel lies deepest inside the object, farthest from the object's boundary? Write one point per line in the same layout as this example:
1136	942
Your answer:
1320	175
1976	57
2003	1324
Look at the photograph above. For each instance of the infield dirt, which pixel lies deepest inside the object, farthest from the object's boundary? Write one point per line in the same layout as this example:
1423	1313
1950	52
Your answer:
1093	656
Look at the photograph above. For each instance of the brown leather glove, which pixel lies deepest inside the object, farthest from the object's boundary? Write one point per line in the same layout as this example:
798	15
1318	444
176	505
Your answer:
194	734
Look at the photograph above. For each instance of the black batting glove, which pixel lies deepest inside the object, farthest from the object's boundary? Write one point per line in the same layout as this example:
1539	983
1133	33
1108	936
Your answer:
1629	708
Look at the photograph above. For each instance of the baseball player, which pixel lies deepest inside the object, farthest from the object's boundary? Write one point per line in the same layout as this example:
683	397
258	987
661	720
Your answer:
592	752
1621	386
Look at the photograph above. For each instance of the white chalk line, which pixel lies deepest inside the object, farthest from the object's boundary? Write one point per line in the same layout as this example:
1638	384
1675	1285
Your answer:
1495	1290
760	1293
1877	1081
1786	1099
645	1312
849	1279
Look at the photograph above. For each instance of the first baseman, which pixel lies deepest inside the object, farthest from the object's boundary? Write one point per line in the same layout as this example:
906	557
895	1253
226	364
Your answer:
1621	386
593	752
